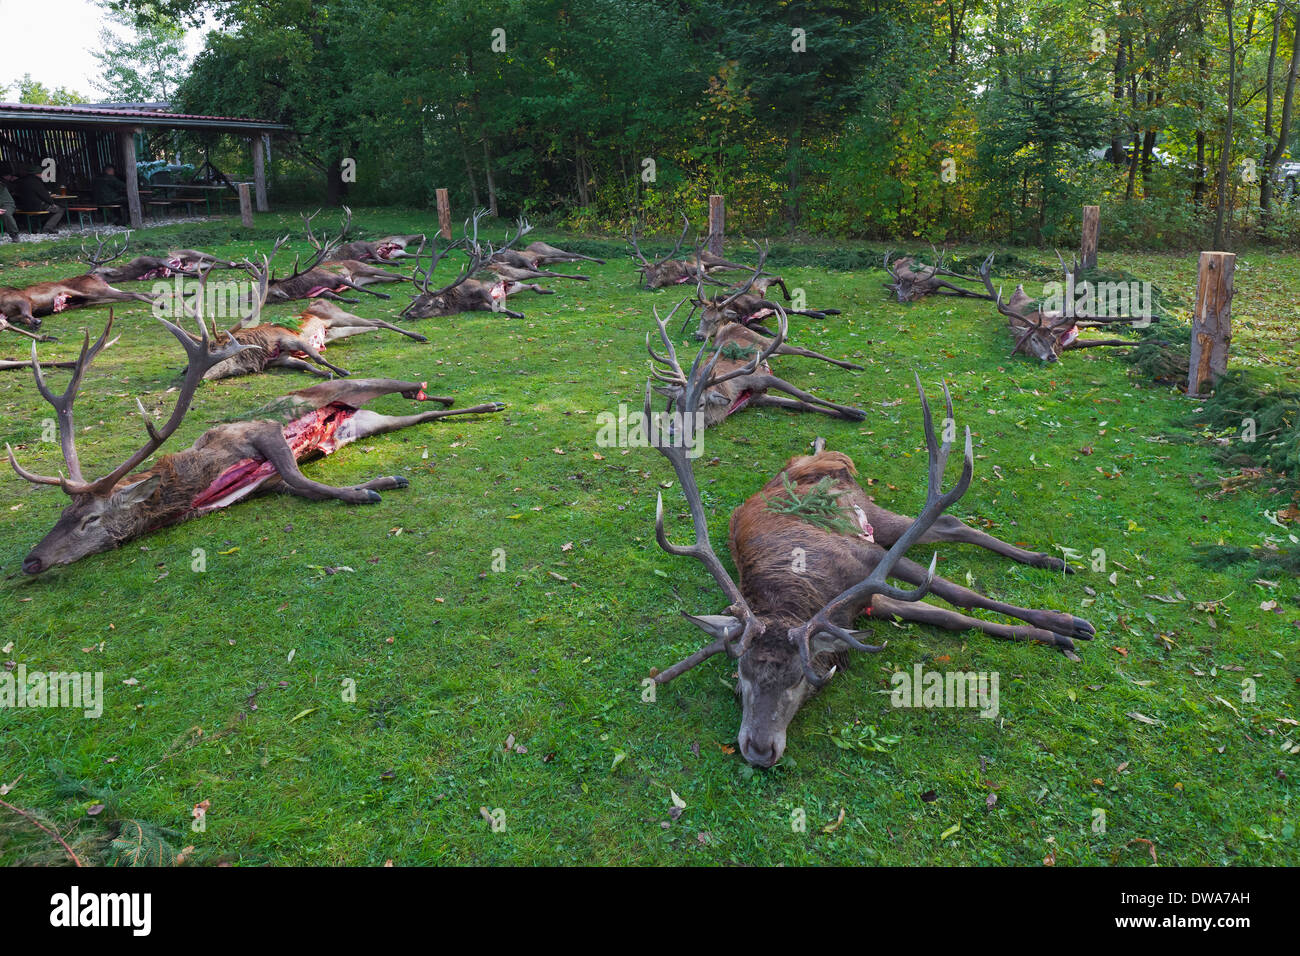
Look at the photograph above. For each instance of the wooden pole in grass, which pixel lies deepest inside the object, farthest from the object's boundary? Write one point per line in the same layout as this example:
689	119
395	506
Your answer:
1088	243
1211	321
717	224
444	214
245	205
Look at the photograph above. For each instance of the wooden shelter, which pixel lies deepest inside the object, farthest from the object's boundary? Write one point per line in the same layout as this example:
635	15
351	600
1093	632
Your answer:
83	139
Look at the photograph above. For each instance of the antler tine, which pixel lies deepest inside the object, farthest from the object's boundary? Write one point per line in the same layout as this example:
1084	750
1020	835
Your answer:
936	502
686	228
261	276
306	224
201	358
63	405
631	239
763	250
701	548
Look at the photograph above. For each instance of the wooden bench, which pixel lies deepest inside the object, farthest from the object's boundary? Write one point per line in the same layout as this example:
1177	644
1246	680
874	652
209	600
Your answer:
84	213
34	214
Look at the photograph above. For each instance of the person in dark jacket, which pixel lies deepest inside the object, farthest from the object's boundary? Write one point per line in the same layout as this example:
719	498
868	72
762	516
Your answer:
31	195
107	189
7	207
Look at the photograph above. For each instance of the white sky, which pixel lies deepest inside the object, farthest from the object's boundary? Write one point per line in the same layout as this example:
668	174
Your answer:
52	40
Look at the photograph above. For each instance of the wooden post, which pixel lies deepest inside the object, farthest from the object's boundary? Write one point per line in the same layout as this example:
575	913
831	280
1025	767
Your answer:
444	214
126	146
717	223
1088	244
245	205
259	173
1211	321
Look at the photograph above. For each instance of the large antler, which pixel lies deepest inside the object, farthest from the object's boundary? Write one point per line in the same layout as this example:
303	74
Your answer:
96	259
936	502
201	358
667	369
62	405
631	238
674	445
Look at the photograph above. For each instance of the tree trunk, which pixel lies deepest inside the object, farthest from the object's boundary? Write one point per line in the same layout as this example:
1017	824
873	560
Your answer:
1283	125
1225	159
792	169
491	183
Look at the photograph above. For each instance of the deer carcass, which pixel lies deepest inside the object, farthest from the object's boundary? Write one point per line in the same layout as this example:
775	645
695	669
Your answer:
227	463
912	283
737	374
671	271
29	304
1044	334
265	346
745	303
465	293
318	279
789	626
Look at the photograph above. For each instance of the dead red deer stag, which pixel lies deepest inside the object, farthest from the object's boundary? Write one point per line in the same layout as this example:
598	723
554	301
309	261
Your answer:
227	463
738	375
183	262
465	293
314	280
669	270
265	345
377	250
814	554
30	304
746	303
911	283
543	254
1040	333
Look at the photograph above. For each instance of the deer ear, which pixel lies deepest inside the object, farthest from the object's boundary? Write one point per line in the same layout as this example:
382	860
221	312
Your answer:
717	625
138	492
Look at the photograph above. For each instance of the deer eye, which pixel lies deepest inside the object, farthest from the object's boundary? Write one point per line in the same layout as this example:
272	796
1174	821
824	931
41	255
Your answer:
88	521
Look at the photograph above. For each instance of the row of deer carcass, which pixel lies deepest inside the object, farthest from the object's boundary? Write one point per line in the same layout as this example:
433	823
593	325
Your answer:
813	551
1038	332
261	450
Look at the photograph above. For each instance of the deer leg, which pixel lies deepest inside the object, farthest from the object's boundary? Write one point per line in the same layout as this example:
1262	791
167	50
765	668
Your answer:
295	364
1058	622
883	608
808	353
889	526
790	404
353	285
381	324
781	385
272	446
335	297
305	347
367	423
356	392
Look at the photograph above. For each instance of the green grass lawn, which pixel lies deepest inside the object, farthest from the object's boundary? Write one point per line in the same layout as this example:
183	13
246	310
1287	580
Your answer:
227	686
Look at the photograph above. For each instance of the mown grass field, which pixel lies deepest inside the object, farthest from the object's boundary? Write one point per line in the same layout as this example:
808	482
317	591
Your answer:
227	686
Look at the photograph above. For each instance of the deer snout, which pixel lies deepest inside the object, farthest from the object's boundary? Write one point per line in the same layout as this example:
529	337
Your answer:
761	752
33	565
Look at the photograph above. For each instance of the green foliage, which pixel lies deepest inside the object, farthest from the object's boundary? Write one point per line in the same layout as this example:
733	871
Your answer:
819	506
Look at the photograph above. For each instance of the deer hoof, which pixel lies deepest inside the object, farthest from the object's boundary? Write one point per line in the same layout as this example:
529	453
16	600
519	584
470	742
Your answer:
1083	630
373	496
399	481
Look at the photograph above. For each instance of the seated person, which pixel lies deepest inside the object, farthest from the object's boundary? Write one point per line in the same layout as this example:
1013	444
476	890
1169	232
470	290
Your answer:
7	207
31	195
107	189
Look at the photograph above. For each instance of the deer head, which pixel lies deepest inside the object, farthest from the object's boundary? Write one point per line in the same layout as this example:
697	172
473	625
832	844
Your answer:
107	511
98	259
786	645
1044	335
661	272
